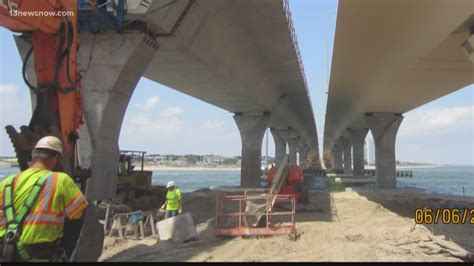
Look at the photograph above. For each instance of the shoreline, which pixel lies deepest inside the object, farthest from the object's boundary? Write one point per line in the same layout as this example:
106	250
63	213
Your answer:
188	168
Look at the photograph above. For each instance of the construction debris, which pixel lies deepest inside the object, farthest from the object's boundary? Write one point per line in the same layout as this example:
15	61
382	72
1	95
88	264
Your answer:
178	228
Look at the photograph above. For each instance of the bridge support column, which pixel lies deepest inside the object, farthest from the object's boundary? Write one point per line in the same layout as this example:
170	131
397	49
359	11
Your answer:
358	139
384	127
303	160
332	162
293	145
252	129
113	70
280	145
337	155
347	146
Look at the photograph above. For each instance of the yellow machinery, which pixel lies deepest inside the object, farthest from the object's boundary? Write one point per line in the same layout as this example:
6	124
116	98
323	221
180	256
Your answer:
134	187
127	175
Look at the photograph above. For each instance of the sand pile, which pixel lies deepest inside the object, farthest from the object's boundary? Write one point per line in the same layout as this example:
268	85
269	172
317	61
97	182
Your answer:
344	226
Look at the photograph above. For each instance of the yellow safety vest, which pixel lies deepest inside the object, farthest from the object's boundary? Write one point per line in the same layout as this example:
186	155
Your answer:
173	197
59	198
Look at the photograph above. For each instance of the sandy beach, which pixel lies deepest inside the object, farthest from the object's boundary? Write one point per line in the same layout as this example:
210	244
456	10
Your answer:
342	226
4	164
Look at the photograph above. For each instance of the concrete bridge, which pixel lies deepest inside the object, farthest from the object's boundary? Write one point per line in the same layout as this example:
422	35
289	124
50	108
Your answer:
241	56
390	57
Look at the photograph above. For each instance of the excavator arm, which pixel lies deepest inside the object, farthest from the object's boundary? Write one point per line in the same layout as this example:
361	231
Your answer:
52	28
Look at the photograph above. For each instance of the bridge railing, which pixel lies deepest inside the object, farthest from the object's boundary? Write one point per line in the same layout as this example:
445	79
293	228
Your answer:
286	8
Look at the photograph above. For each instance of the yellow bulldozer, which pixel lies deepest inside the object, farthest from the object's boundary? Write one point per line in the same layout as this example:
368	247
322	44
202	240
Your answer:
134	186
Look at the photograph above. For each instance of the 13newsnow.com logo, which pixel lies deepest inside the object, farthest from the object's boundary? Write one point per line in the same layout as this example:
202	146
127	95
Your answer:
14	11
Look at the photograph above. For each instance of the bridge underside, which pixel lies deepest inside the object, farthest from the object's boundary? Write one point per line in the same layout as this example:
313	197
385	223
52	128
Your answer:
391	57
238	55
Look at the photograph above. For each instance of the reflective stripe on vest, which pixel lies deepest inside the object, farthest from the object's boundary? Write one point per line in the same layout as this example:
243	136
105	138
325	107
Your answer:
76	202
48	192
43	218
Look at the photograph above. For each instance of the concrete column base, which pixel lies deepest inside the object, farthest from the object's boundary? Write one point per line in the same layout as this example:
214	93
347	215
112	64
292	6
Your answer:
347	145
293	145
337	150
358	136
303	158
384	127
280	145
252	129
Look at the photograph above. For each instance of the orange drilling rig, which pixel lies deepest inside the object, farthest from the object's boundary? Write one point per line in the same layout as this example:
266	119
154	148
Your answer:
52	28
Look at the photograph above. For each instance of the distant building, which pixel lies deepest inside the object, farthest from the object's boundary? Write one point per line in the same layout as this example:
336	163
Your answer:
213	159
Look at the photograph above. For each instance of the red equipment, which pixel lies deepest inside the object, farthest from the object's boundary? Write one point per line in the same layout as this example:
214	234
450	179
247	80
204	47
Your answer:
293	184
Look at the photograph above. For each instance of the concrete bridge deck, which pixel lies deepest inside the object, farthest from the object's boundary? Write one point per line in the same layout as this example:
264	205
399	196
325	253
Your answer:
241	56
390	57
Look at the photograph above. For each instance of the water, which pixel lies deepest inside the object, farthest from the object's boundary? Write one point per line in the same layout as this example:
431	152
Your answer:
188	181
441	180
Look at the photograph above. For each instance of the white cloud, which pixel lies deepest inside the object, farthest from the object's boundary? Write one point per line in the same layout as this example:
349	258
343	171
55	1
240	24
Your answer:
212	124
171	111
148	104
149	126
8	88
151	103
438	121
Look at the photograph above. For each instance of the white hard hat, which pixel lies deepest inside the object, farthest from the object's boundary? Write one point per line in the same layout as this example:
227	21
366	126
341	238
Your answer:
51	143
170	184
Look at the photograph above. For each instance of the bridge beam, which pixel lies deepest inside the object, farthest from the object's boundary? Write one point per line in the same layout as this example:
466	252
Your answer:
384	127
280	145
347	147
252	129
358	136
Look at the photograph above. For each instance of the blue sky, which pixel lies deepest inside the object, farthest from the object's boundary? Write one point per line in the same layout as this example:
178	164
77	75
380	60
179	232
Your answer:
162	120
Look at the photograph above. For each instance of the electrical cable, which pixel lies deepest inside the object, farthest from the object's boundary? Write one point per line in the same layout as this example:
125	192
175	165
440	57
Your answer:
60	59
90	53
23	71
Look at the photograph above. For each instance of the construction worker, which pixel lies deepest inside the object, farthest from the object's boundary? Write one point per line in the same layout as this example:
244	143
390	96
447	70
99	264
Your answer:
35	203
174	201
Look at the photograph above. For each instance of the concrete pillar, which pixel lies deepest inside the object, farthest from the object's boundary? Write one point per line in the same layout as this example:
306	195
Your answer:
384	127
252	129
329	162
358	136
303	160
347	147
280	145
114	63
338	155
293	145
